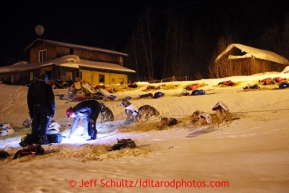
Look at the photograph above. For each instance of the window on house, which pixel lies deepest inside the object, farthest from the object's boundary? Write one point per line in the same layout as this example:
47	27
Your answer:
101	78
42	55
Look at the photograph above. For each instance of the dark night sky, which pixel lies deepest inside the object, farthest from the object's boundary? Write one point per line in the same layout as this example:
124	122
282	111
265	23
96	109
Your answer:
107	24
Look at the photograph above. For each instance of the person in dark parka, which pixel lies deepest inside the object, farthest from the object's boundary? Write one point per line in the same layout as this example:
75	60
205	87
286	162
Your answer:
41	105
87	110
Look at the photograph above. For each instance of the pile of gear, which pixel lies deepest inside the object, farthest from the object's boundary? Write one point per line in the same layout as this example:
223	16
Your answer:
31	145
34	149
53	136
80	91
227	83
58	84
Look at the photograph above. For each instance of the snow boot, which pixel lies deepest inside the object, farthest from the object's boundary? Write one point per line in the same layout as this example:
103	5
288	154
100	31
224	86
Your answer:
91	139
43	140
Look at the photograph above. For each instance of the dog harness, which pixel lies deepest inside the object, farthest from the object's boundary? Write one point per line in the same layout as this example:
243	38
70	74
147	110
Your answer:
222	105
207	117
133	109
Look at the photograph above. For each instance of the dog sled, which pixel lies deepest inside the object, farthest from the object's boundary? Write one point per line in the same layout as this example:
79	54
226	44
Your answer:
83	90
98	94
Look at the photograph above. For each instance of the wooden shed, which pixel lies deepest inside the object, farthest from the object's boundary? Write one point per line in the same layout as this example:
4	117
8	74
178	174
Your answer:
240	59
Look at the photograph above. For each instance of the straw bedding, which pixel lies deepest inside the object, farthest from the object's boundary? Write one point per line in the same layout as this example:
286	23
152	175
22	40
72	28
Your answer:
87	152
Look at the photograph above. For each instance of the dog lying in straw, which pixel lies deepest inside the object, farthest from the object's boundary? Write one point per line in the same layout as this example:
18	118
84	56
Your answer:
146	111
165	122
222	113
130	111
106	114
201	118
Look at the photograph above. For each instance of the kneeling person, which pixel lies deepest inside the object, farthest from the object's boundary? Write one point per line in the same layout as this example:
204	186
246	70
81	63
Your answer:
88	111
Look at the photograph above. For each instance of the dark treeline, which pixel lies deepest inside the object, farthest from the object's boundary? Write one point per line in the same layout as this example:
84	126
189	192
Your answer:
184	41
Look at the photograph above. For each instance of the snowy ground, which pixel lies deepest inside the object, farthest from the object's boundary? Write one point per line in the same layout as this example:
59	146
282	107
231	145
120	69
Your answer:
249	155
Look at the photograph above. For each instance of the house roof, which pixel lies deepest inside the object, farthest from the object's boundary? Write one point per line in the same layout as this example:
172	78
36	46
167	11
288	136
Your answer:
20	67
71	61
253	52
69	45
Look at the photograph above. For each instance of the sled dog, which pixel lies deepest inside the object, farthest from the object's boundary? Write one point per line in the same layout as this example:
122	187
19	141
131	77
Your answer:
106	114
130	111
222	113
146	111
201	118
167	122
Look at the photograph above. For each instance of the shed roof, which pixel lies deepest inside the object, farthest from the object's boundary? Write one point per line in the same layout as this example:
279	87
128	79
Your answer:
254	52
69	45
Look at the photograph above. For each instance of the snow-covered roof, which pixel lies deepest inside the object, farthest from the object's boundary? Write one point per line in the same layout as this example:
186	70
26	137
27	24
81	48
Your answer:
254	52
72	61
69	45
19	67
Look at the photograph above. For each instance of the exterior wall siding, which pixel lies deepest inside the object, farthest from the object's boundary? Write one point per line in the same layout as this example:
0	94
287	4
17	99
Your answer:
253	66
58	51
96	56
61	51
34	53
109	78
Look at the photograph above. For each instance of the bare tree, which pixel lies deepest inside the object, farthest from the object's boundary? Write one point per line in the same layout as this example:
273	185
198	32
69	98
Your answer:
276	38
177	47
145	38
140	45
285	36
222	67
166	47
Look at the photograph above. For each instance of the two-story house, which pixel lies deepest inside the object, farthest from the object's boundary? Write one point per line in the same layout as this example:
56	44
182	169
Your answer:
65	62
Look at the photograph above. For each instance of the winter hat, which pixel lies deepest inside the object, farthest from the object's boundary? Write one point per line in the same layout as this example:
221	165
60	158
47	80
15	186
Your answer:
69	112
43	77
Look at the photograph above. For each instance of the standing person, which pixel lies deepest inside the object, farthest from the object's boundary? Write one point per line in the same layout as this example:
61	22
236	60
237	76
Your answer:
88	111
41	105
